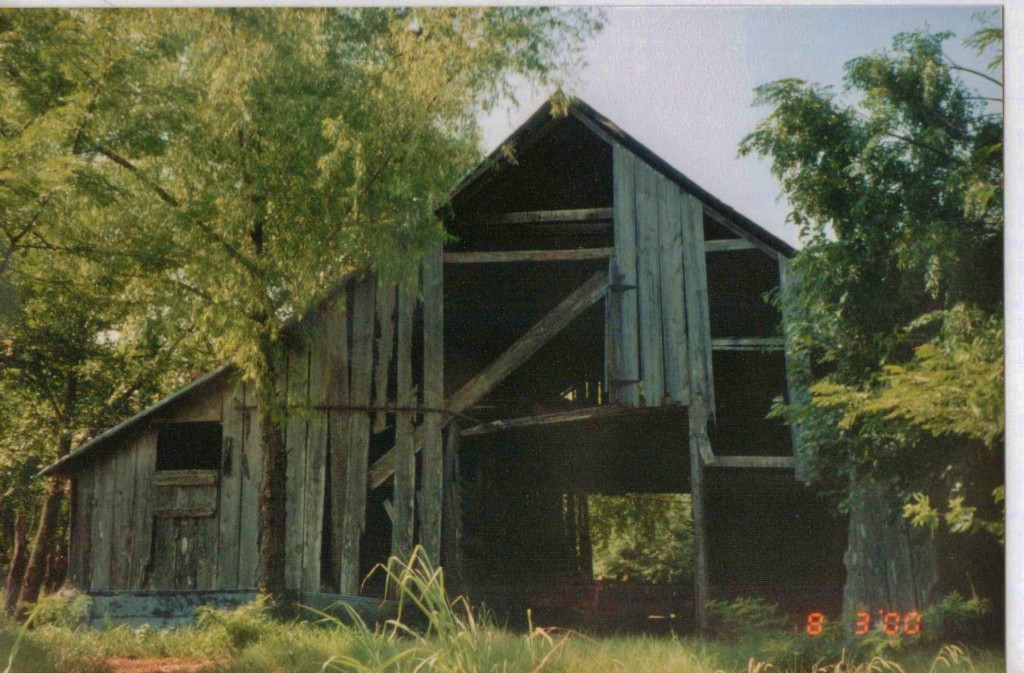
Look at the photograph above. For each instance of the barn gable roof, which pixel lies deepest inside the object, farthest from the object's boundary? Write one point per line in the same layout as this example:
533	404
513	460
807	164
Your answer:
538	125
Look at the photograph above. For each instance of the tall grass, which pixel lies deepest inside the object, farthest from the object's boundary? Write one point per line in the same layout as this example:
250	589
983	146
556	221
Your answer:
442	634
433	632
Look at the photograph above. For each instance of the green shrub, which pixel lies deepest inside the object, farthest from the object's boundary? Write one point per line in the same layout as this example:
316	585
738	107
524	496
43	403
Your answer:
954	618
244	625
745	616
64	609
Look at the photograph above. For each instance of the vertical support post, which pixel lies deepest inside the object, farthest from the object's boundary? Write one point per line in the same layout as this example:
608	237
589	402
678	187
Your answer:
361	376
451	521
385	345
433	398
403	522
698	421
798	362
701	387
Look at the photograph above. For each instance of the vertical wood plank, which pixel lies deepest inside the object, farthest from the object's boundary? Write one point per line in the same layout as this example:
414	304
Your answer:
103	522
229	509
386	297
338	394
82	530
320	363
165	533
433	398
649	286
701	387
74	571
142	523
359	430
698	321
405	451
673	306
798	361
626	364
295	444
205	546
252	482
121	531
451	520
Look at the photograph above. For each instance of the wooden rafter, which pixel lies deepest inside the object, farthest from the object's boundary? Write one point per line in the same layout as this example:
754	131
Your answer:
544	216
474	390
728	245
571	416
748	344
501	256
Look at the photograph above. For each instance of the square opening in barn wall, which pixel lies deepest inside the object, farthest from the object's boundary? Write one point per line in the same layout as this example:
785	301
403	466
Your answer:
189	446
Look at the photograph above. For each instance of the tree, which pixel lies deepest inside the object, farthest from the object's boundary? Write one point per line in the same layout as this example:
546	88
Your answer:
898	197
646	537
252	157
72	361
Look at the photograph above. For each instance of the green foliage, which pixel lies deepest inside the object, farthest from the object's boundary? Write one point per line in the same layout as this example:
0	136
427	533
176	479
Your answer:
175	185
745	616
243	626
896	186
61	610
642	537
955	618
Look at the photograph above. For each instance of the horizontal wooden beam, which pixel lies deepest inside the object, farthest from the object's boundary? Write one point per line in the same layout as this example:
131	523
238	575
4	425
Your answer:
185	478
754	462
736	229
501	256
574	415
728	244
748	344
543	331
541	216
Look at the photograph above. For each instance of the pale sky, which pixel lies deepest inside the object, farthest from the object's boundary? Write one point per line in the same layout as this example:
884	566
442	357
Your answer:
681	80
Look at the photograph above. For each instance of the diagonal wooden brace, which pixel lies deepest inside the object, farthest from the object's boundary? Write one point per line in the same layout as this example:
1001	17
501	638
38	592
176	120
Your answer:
536	337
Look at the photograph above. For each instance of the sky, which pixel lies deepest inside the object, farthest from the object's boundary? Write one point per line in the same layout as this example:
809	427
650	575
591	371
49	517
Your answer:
681	80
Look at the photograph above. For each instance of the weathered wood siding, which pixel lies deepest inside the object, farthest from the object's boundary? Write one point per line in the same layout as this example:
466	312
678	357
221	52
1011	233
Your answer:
646	319
135	528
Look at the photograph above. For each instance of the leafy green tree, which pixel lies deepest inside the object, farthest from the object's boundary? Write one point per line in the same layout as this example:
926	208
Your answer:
250	158
73	360
898	196
896	187
642	537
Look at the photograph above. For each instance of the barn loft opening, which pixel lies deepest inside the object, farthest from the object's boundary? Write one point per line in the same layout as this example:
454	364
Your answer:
189	446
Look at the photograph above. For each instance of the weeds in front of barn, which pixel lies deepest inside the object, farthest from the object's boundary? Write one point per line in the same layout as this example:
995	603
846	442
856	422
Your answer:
435	633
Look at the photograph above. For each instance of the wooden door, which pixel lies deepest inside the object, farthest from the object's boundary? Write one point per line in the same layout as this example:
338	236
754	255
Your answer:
184	530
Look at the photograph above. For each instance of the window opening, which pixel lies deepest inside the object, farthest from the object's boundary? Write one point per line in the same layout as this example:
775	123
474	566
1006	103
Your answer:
189	446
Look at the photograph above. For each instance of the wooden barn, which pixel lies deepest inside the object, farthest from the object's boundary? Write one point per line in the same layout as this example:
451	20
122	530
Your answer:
597	326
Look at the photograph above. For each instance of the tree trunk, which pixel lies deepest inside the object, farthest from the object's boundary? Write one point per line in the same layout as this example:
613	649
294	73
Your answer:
273	515
43	547
19	559
890	565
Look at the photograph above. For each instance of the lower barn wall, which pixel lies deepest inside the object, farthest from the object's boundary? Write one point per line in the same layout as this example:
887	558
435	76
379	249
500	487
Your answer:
127	533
